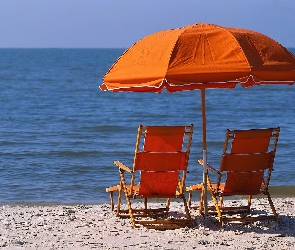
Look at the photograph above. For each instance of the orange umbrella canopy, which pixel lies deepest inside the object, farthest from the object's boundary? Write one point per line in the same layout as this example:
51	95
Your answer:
200	55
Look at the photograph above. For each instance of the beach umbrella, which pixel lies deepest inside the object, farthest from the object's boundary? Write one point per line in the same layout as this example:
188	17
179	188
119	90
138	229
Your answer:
199	57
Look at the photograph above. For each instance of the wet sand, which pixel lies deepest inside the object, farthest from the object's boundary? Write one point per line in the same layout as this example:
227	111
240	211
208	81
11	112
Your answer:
96	227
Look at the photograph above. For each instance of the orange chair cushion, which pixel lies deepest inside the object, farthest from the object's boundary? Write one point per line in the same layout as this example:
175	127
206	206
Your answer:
158	184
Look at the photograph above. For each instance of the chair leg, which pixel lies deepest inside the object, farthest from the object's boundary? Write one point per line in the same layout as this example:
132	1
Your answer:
190	196
167	205
145	203
218	208
188	215
130	210
272	206
112	200
249	202
123	186
119	201
221	201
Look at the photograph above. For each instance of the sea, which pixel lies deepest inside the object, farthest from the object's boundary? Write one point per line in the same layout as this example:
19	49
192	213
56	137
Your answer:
59	133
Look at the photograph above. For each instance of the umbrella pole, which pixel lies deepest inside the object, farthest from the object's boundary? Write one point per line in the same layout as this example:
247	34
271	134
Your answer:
205	170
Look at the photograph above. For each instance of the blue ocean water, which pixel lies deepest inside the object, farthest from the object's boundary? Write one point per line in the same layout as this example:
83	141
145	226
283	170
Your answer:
59	133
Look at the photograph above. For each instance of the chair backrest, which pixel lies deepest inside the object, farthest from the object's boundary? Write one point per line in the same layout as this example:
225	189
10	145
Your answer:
161	156
246	156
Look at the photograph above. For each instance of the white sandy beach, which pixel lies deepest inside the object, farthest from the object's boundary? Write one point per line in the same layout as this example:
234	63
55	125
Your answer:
96	227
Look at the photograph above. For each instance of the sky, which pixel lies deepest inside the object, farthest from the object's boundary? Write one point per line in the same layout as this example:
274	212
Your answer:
120	23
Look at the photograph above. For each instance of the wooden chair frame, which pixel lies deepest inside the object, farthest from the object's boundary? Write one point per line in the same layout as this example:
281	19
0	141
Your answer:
149	163
244	163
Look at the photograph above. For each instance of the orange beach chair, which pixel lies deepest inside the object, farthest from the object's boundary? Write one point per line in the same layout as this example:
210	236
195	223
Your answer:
247	163
160	163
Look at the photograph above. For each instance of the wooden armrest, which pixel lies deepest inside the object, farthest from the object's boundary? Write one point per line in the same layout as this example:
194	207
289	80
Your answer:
113	188
200	161
122	166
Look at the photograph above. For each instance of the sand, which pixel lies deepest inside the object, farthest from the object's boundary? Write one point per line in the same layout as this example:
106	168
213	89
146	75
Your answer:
96	227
